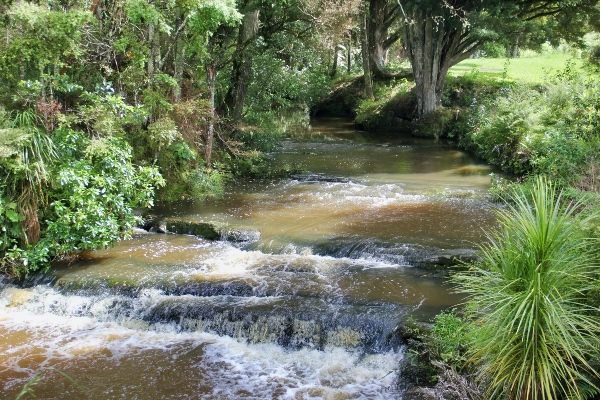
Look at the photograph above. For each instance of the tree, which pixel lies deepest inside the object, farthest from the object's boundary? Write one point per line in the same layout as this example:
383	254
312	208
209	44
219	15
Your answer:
382	16
367	72
242	64
439	34
37	43
212	30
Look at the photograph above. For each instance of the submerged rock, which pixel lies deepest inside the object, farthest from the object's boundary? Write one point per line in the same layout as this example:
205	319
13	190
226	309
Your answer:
239	235
16	297
452	258
205	230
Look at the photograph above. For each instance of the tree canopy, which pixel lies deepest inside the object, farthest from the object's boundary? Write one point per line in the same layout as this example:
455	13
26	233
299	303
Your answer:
440	34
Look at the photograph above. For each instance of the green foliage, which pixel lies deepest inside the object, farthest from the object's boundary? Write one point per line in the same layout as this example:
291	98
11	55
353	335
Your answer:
163	133
277	84
97	189
37	37
448	339
585	121
493	50
10	223
392	99
503	126
94	189
533	330
550	129
107	113
182	152
593	60
568	149
209	15
156	96
432	351
203	182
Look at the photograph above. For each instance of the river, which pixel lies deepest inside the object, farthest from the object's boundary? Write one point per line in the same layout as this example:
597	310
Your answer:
304	303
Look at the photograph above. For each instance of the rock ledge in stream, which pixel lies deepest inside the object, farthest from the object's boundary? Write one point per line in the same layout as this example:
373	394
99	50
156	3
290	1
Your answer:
206	230
446	259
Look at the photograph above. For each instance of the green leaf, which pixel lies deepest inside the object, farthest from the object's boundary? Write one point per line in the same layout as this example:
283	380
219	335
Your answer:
12	215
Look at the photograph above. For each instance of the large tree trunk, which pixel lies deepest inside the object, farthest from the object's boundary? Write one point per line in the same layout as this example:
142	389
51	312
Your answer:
382	14
433	45
515	50
242	66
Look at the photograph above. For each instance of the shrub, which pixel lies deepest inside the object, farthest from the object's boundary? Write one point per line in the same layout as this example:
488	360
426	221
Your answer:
593	61
533	330
493	50
94	188
394	100
504	126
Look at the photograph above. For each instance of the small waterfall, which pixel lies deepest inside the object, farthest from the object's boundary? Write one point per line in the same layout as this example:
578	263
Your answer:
300	295
223	309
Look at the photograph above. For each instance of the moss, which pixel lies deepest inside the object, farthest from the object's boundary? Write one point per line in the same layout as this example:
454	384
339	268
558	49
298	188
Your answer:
207	230
342	100
436	124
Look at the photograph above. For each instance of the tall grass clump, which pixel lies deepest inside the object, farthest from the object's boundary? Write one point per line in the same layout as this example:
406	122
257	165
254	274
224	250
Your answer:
534	332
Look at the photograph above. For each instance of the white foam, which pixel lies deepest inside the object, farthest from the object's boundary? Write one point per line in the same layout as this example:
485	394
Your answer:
58	334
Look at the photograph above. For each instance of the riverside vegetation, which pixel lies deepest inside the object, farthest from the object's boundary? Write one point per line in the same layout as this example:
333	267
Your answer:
542	263
530	327
104	107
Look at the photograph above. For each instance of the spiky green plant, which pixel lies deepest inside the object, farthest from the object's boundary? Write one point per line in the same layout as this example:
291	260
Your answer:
534	333
25	152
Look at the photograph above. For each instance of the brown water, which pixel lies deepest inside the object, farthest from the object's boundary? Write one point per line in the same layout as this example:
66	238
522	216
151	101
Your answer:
306	307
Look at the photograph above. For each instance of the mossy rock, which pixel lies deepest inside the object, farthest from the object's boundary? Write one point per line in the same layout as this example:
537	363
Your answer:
206	230
453	259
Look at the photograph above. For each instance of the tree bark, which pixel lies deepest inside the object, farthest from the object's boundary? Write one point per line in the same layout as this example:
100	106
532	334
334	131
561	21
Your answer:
334	68
515	52
242	65
211	77
364	38
349	53
433	45
151	51
178	67
382	14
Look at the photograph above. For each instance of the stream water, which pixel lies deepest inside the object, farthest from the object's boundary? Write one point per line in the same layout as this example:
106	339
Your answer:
304	303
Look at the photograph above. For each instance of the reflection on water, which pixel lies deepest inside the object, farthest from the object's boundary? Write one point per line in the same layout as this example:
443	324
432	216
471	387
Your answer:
399	190
308	309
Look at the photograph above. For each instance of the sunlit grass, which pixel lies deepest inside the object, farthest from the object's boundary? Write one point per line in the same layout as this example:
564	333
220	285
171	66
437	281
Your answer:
531	68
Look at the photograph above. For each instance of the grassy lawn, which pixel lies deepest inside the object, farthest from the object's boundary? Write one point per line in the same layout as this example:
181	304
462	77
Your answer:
533	69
